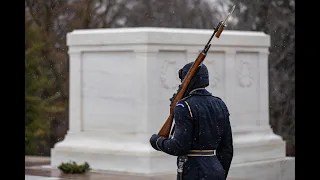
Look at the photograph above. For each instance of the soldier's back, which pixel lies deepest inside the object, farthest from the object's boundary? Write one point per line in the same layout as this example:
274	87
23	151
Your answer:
209	123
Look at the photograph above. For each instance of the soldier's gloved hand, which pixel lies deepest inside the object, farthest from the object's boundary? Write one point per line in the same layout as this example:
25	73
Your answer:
154	140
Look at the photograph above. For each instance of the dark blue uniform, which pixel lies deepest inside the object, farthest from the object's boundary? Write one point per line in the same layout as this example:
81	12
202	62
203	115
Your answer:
201	123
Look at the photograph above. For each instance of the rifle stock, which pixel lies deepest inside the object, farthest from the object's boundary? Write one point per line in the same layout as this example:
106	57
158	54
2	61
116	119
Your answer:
165	130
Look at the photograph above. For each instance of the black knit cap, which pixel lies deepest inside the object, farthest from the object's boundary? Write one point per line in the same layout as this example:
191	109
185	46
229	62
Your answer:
200	80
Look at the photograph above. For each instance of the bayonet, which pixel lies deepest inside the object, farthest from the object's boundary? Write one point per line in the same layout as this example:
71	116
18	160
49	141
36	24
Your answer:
219	28
230	12
223	24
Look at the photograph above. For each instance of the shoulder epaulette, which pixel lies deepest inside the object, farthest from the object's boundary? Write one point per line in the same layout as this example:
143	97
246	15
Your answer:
185	101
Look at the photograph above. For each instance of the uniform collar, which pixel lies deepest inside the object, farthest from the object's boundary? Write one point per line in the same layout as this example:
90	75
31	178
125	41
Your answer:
199	91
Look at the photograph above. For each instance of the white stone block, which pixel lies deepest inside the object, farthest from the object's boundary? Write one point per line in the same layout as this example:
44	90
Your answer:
121	81
274	169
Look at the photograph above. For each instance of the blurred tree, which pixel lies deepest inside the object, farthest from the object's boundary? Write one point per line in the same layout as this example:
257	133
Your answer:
52	20
276	18
173	13
38	106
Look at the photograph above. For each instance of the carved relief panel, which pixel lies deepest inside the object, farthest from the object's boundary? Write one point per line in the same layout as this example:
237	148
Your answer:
247	82
245	76
171	62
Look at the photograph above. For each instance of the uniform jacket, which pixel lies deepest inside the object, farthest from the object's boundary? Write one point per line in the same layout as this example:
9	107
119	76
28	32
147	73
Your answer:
201	123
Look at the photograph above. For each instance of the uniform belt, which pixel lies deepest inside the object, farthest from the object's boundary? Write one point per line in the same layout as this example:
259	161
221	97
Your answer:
201	153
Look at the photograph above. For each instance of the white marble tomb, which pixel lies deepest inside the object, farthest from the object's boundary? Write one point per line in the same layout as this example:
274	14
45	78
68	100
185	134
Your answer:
120	84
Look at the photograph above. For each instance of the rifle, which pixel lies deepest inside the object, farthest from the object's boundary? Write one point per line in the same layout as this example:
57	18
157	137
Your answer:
165	130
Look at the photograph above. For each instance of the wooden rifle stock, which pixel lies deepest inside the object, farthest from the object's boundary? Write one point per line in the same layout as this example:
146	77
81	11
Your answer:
165	130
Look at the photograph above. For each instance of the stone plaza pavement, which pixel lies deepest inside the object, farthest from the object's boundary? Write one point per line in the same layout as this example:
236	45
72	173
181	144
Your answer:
37	168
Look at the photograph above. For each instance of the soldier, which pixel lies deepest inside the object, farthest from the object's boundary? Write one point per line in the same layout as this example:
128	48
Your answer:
202	138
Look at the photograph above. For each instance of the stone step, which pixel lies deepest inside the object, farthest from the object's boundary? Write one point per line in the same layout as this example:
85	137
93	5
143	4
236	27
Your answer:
38	168
45	173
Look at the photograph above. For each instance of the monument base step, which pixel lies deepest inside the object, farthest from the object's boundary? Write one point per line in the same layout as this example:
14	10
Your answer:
149	163
276	169
138	158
